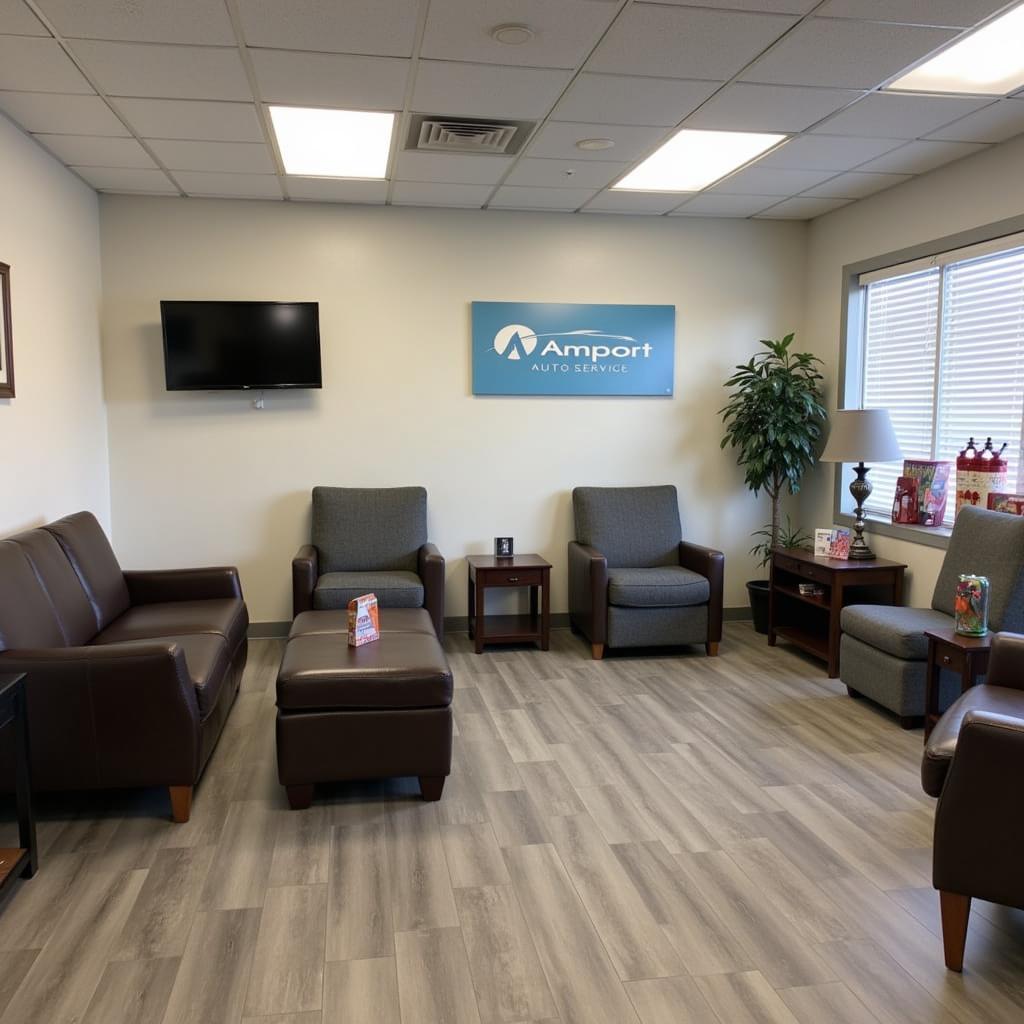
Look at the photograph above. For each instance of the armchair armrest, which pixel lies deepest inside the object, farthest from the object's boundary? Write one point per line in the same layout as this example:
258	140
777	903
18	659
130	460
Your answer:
710	564
430	566
305	573
158	585
588	591
125	714
1006	661
979	820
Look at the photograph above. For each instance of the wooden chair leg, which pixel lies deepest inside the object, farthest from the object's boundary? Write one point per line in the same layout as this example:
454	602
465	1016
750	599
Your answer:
956	910
181	803
711	647
299	797
855	694
597	650
431	786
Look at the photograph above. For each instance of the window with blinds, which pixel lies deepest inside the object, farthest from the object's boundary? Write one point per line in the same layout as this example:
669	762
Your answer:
943	351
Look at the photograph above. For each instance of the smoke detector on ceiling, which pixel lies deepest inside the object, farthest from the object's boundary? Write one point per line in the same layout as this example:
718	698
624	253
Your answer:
594	144
440	134
512	35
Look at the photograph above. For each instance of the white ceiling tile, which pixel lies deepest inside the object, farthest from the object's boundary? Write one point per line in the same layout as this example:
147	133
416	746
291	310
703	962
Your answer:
769	108
802	208
230	186
918	157
857	184
826	152
565	32
146	21
337	190
635	202
124	179
777	6
96	150
331	79
769	181
435	193
171	72
685	42
386	28
565	173
180	155
486	90
450	168
557	139
66	115
192	119
716	204
954	13
32	64
995	123
887	115
18	20
845	54
617	99
518	197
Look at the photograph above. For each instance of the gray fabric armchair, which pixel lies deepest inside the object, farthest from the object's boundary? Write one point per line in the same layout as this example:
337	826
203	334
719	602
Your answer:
370	540
633	580
883	651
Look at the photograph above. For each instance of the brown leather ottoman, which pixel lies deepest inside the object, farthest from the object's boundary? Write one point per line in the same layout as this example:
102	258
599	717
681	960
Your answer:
376	711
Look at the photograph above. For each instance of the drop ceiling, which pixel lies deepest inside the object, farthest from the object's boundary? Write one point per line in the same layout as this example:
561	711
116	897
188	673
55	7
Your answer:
169	97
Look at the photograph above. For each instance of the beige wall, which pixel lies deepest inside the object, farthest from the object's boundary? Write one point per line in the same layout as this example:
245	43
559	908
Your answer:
970	193
53	435
205	478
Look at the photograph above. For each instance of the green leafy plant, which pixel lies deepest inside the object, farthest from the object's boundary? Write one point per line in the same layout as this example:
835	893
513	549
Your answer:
789	537
774	418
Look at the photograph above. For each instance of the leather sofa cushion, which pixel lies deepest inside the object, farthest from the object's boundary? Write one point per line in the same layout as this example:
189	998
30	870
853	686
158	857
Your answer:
224	616
393	589
27	616
897	631
401	670
670	586
89	551
941	745
394	620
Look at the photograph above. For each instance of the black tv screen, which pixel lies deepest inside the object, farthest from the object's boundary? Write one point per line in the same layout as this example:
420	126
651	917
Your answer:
223	346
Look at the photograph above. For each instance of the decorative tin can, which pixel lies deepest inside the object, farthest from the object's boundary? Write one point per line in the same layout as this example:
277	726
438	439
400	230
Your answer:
971	606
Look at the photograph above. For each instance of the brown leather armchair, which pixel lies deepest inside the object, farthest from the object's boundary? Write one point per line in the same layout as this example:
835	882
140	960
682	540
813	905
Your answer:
370	540
973	762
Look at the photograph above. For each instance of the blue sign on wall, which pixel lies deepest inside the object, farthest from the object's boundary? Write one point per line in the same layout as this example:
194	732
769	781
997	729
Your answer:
547	348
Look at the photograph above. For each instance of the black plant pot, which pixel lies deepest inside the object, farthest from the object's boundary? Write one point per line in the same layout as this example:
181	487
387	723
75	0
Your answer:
758	591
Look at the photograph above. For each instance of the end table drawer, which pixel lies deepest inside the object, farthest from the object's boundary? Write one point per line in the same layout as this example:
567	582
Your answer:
808	571
515	578
950	657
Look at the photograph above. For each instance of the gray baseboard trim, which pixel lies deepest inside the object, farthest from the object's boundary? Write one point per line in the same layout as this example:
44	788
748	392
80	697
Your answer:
453	624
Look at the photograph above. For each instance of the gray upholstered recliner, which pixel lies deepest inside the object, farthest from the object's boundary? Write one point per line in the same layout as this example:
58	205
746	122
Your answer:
883	651
370	540
633	580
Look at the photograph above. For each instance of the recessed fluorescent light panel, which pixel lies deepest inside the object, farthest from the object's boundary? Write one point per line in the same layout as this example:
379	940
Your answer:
692	160
989	61
321	143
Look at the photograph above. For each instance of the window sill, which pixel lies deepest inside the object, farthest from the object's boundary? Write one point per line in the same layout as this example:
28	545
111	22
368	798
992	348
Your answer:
929	536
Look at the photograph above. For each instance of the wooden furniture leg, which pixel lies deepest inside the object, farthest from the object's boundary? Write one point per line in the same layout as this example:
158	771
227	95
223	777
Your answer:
956	910
431	786
597	650
711	648
299	797
181	803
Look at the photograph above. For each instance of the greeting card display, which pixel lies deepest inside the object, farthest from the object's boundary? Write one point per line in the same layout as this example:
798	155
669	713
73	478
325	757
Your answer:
1002	502
363	620
833	543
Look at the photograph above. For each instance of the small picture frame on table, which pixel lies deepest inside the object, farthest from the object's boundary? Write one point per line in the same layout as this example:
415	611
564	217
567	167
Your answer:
503	547
6	342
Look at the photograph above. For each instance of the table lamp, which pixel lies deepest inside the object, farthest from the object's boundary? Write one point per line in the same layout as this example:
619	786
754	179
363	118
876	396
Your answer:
859	435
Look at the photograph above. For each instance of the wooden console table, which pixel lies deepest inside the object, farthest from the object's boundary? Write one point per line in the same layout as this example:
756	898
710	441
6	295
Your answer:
518	571
947	649
811	622
13	712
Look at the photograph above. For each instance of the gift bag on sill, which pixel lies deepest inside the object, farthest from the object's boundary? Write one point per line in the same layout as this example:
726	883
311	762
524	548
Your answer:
979	473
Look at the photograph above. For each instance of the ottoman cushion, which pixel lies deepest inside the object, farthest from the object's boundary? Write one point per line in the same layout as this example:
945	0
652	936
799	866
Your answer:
392	620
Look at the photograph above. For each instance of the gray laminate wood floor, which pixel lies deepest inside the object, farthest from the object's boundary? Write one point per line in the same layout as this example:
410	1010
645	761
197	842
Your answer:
646	840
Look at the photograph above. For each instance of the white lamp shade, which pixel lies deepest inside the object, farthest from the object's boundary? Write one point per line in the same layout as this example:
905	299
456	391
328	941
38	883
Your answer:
861	435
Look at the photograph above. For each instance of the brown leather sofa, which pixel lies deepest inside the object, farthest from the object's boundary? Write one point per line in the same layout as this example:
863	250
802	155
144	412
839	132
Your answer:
131	675
973	762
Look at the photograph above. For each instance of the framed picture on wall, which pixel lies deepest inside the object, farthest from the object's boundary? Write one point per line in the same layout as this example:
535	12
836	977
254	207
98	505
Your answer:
6	344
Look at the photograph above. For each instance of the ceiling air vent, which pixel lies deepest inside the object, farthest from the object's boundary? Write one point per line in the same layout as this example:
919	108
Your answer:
437	134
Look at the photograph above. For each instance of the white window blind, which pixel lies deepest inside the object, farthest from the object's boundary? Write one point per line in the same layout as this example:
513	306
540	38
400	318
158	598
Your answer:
943	351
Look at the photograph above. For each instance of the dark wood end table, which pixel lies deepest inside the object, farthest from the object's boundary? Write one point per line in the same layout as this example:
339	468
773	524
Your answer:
947	649
22	860
811	622
531	571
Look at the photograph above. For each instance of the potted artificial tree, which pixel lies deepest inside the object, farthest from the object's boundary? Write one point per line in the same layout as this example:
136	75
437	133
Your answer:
774	416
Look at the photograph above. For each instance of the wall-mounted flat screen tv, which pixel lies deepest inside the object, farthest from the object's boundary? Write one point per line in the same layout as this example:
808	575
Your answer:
227	346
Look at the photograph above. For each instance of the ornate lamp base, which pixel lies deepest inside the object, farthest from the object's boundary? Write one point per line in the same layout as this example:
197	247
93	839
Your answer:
861	491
